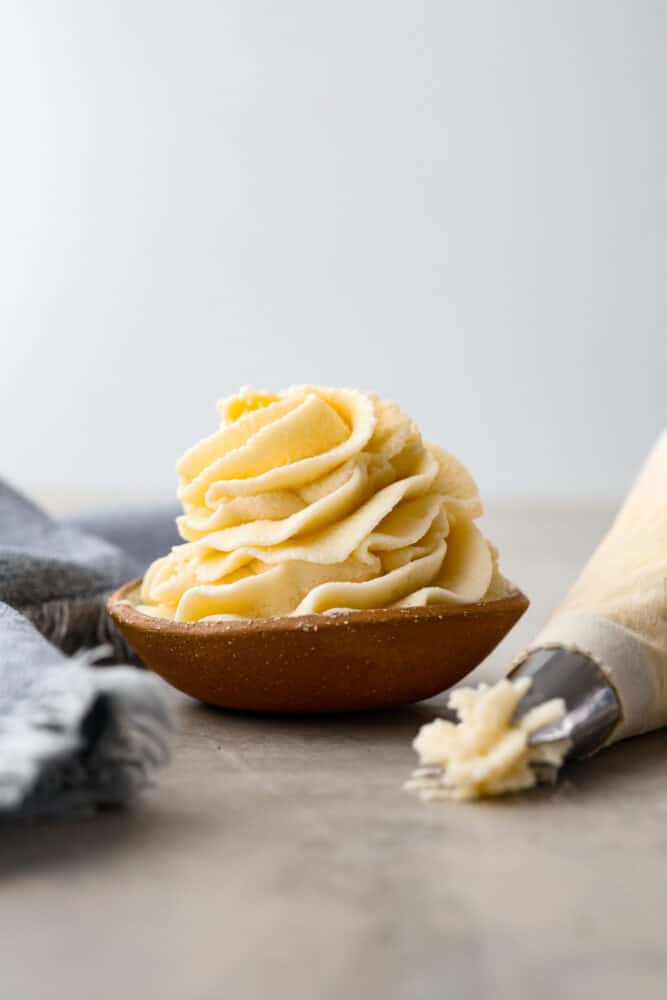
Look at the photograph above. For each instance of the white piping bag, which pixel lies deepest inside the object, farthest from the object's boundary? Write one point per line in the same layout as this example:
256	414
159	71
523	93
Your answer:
600	665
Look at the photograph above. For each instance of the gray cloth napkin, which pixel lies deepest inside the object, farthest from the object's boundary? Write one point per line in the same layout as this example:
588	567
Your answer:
73	736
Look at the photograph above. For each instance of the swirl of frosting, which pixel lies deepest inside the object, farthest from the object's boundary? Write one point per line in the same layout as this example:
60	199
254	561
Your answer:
319	499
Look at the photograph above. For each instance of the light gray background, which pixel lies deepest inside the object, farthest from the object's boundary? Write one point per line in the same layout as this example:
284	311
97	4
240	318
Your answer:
462	205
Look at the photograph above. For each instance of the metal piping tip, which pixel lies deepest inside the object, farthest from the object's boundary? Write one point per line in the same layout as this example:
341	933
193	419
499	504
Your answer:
592	706
592	710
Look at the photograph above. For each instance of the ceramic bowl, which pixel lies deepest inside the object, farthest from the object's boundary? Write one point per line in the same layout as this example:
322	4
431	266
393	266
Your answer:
348	661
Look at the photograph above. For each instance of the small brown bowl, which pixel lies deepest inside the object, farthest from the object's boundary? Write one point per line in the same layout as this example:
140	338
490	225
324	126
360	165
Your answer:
345	662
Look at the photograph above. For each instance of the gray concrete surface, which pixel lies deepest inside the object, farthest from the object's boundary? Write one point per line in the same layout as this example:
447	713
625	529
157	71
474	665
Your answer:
280	858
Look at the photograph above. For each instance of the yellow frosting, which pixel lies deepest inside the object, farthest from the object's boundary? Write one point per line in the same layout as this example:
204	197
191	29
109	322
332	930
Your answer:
316	499
487	752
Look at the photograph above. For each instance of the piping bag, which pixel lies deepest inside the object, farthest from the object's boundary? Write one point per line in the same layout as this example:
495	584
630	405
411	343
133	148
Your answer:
594	675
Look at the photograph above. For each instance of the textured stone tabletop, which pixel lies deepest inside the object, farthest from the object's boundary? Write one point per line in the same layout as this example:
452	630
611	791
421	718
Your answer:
280	858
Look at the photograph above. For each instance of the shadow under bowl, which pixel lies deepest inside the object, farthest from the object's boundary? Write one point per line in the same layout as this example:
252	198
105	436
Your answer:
348	661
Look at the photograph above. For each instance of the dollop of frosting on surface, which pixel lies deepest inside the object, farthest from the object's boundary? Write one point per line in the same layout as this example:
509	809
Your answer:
317	499
487	752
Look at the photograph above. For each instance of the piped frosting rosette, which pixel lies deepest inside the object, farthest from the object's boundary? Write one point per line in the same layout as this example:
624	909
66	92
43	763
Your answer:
319	499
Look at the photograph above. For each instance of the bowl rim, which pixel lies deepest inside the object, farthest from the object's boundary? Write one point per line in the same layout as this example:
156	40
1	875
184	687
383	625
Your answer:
122	610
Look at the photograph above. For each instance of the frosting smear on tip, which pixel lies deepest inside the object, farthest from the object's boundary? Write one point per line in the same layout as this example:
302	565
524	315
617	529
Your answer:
486	753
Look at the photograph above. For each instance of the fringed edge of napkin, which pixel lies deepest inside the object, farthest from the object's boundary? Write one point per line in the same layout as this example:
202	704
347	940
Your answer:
83	737
74	623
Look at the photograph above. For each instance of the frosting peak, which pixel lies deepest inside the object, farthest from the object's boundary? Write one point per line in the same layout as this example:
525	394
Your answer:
316	499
